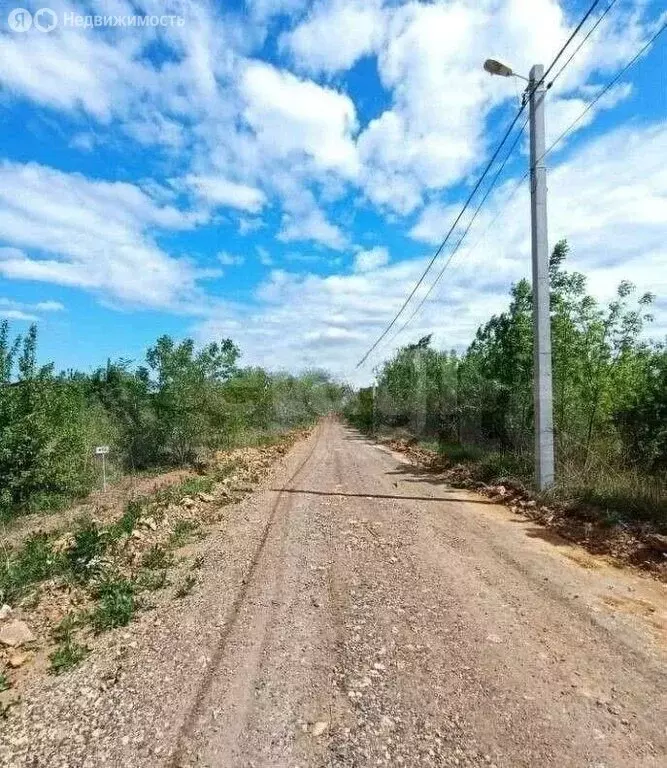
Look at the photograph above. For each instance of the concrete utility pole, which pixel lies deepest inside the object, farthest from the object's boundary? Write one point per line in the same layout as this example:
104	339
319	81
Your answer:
374	406
542	378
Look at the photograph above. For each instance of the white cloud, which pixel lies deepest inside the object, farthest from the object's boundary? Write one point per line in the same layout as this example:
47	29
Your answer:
608	199
312	226
85	142
17	314
247	225
67	229
11	309
237	123
365	261
222	192
430	61
336	34
293	118
49	306
266	9
562	112
265	258
230	259
244	134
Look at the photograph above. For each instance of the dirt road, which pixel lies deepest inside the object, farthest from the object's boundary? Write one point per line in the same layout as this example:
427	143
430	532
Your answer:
355	613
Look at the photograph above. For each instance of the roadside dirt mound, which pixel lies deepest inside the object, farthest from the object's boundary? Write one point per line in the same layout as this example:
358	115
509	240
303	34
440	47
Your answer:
638	545
57	572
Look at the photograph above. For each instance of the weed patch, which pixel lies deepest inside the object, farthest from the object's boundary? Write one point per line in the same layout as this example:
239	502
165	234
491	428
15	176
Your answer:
88	548
156	558
183	532
186	586
66	656
194	485
116	603
35	561
4	682
128	522
151	580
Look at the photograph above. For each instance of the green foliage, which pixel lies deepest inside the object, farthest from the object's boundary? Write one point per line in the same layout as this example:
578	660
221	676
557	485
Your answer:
152	580
5	685
182	532
610	394
42	429
68	652
65	656
63	631
194	485
184	403
128	522
115	603
90	543
34	561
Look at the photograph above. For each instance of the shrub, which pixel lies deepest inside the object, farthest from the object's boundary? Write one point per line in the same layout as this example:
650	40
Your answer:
85	553
33	562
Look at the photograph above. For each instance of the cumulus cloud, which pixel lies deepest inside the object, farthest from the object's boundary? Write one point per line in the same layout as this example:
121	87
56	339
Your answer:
227	194
91	234
610	210
11	309
312	225
230	259
282	150
365	261
335	35
293	117
50	306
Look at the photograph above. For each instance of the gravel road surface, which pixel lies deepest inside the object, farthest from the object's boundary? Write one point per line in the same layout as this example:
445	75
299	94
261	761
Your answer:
354	612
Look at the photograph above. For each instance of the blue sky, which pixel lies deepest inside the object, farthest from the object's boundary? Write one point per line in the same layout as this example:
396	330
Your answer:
280	171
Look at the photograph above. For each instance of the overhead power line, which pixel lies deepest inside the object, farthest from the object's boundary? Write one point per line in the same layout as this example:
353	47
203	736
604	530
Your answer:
583	42
444	242
560	138
476	187
584	19
465	232
495	179
606	89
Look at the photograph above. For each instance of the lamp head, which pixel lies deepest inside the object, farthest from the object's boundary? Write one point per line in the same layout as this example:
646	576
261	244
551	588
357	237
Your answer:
494	67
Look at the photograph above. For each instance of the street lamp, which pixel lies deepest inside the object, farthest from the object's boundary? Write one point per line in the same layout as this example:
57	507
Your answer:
542	375
494	67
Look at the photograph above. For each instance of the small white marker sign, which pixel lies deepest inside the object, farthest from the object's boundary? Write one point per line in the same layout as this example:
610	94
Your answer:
102	450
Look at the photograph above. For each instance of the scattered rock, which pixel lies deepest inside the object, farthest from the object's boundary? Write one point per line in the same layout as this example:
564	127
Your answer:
15	633
207	498
386	723
188	502
5	612
17	660
149	522
320	727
